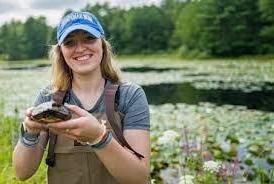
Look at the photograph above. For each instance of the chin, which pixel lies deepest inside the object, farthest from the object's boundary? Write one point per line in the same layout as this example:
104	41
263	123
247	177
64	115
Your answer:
84	70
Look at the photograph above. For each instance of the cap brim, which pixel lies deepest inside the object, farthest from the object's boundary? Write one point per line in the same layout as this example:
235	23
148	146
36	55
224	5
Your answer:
86	28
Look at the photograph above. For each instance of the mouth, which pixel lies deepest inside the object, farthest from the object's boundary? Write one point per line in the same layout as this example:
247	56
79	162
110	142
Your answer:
83	57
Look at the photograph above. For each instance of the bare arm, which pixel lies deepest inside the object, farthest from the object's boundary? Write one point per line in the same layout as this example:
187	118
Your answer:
123	164
26	160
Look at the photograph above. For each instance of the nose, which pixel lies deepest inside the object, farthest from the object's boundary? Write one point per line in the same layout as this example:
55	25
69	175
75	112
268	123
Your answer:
80	47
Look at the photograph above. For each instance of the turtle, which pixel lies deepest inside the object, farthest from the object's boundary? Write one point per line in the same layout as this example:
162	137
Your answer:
50	112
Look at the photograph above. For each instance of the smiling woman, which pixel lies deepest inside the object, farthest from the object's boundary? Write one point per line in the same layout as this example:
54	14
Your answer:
82	52
110	119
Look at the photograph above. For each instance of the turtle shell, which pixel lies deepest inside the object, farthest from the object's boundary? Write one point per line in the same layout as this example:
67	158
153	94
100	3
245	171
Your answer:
50	112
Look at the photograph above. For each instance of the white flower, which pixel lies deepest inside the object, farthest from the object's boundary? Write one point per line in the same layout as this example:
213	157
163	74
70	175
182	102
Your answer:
168	137
211	166
186	179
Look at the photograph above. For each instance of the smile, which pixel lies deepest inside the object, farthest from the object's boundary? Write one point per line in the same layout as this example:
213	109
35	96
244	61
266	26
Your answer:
83	58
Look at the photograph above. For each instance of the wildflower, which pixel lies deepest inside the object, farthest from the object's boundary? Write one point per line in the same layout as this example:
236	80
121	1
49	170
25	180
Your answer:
168	137
186	179
211	166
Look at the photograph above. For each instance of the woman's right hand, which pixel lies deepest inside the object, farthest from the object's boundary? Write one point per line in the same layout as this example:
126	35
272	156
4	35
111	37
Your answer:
32	126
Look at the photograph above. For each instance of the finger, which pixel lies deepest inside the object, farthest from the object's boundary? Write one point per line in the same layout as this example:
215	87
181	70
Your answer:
55	131
33	125
77	110
68	134
69	124
28	112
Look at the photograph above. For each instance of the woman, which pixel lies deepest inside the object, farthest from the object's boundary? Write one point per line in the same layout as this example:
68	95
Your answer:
85	151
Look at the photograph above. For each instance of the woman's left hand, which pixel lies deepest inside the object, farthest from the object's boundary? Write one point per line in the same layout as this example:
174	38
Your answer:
85	127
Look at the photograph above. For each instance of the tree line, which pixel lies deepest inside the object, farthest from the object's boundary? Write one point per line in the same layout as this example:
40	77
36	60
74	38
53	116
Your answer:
196	28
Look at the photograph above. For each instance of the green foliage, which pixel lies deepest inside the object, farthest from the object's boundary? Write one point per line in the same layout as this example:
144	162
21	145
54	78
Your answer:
187	27
229	28
12	40
36	34
267	31
24	40
193	29
148	29
9	131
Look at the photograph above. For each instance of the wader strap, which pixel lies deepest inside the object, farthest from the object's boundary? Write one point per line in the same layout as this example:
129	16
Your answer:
111	90
58	98
50	161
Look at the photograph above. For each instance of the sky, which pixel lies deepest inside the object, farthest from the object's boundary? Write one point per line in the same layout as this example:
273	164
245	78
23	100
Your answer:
54	9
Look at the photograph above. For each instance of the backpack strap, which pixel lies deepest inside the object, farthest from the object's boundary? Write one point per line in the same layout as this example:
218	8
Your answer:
58	98
110	93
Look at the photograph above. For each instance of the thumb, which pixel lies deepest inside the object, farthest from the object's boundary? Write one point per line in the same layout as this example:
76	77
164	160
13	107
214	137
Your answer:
77	110
28	112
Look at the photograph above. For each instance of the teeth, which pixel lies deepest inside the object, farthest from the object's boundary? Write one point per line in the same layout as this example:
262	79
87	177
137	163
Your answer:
85	57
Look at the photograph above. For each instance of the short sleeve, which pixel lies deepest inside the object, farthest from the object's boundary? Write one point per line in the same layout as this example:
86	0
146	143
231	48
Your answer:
42	96
134	106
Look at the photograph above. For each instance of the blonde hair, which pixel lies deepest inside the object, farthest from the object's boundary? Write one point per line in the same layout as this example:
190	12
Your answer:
62	74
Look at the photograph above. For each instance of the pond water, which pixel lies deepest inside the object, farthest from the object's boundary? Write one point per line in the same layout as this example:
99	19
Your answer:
148	69
186	93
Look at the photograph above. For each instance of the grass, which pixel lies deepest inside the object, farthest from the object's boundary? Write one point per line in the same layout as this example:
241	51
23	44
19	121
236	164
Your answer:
24	63
8	138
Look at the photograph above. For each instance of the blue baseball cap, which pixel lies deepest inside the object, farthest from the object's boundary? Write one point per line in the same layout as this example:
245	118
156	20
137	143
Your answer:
79	21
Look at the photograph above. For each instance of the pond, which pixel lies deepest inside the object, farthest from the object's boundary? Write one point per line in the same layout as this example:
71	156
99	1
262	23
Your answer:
234	100
185	93
191	93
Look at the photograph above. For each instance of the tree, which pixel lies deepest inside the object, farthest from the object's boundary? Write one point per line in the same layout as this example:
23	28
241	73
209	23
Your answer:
37	35
13	41
148	29
231	28
267	31
188	26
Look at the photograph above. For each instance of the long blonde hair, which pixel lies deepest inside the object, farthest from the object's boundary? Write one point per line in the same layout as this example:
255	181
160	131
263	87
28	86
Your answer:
62	74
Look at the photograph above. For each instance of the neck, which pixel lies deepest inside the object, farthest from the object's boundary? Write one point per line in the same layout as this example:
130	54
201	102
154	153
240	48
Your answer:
87	83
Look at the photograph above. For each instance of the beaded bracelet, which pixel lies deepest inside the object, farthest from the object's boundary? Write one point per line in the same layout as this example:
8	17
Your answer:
96	141
29	142
28	139
104	141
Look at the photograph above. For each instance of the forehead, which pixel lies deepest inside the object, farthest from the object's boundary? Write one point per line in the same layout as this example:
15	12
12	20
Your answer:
78	33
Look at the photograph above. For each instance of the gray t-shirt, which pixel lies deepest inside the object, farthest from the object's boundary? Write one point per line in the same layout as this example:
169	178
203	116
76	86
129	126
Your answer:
132	103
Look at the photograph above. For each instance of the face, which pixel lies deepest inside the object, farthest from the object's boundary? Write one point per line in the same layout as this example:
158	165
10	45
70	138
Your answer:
82	52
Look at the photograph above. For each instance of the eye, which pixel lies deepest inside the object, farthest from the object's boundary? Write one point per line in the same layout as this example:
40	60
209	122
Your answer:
69	43
89	39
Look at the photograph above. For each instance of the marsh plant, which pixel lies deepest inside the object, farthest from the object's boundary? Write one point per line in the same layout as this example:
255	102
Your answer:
198	163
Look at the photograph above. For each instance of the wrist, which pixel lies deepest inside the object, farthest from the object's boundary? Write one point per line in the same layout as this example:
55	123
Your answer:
107	137
99	138
29	139
28	142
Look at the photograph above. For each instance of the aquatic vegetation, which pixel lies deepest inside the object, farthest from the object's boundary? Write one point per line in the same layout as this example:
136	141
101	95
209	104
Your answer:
223	132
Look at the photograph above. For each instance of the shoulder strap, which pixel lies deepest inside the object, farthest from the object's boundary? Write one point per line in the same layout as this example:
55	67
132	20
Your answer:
110	92
58	97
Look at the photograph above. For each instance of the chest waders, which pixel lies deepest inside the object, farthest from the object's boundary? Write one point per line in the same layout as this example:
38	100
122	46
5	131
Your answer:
70	162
